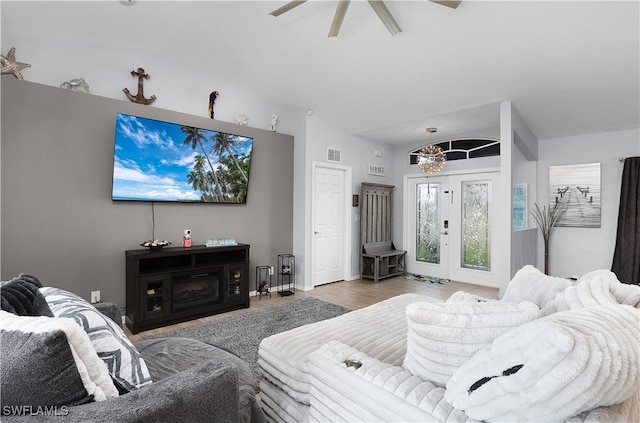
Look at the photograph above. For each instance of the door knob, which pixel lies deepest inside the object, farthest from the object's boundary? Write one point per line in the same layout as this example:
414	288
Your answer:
316	233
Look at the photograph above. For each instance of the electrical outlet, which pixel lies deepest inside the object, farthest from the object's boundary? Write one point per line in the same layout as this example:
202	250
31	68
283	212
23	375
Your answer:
95	297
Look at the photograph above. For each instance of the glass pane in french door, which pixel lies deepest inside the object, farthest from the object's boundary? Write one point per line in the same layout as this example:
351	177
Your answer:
476	225
428	222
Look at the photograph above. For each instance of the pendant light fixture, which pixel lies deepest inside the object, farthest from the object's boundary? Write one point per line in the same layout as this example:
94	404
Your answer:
431	159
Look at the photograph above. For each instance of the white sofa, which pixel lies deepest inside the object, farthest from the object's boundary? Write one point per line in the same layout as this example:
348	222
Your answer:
550	350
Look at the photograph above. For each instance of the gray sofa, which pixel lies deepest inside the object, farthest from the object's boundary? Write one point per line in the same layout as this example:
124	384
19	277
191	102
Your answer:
180	379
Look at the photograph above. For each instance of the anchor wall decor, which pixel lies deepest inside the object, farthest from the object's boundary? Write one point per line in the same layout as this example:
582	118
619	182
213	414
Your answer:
139	97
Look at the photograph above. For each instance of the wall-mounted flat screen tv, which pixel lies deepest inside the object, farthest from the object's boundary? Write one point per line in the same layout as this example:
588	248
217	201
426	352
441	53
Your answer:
164	161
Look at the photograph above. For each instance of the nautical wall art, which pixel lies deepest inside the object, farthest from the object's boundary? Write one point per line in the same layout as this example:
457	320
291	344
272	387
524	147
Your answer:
578	187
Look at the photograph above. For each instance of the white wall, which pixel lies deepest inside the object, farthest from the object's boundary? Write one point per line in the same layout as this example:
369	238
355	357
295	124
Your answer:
576	251
356	153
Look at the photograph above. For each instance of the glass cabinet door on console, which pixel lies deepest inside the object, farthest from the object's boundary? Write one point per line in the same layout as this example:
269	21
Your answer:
155	291
237	282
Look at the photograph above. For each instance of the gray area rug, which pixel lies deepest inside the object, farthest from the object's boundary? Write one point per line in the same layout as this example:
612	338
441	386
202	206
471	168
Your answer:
241	334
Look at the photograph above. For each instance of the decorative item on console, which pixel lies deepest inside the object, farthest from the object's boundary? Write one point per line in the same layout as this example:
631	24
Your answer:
139	97
76	84
212	102
10	66
186	239
274	122
155	245
219	242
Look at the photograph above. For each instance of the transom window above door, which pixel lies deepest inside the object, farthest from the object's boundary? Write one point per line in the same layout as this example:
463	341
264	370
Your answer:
463	148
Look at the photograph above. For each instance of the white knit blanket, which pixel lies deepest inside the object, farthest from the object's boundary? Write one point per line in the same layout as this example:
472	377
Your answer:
594	288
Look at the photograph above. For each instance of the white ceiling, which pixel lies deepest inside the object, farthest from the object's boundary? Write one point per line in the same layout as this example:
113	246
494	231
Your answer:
569	67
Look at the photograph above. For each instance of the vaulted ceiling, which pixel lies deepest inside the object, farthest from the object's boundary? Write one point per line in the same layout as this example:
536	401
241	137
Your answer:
569	67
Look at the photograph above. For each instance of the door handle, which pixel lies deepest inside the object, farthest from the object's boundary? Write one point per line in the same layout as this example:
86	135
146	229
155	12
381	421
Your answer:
445	233
316	233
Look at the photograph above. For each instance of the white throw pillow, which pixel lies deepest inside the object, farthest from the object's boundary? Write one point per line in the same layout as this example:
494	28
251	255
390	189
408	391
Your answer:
443	336
530	284
553	368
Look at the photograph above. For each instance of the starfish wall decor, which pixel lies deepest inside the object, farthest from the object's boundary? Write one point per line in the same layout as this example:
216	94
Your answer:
10	66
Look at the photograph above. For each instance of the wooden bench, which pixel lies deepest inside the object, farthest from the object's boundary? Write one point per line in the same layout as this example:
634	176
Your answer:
380	260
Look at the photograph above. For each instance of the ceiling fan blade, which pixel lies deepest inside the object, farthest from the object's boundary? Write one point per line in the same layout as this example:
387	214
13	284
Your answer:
279	11
449	3
385	16
341	10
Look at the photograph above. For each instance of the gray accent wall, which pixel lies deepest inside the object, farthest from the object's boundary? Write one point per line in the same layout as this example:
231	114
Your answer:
58	220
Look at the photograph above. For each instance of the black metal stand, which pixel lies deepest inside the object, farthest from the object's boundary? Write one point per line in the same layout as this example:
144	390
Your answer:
286	274
263	281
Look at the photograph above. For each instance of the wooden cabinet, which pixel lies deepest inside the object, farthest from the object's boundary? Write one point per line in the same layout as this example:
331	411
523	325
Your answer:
178	284
379	258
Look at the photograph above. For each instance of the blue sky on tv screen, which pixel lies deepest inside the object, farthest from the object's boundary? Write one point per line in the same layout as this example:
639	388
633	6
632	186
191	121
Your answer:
151	163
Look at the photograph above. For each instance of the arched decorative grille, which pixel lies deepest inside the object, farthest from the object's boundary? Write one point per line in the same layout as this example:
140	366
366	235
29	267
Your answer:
463	148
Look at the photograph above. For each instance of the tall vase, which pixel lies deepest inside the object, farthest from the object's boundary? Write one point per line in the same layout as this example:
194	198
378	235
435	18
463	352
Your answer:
546	256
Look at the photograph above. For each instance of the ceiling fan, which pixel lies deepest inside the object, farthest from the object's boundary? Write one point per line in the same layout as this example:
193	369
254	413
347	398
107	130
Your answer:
377	5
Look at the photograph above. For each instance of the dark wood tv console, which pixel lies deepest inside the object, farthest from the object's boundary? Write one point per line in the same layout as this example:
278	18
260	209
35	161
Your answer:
178	284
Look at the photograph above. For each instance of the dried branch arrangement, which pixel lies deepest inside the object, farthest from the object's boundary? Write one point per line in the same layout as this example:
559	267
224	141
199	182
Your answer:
547	217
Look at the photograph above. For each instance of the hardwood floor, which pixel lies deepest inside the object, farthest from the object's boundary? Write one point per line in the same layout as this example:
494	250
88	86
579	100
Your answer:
354	294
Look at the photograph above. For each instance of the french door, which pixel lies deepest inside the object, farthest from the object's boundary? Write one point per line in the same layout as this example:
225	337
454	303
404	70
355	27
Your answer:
451	226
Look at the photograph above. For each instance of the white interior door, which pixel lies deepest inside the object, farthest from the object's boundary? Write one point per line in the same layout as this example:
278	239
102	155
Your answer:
451	226
329	227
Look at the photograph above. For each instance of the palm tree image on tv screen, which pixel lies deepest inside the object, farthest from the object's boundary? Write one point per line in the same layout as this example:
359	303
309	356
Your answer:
163	161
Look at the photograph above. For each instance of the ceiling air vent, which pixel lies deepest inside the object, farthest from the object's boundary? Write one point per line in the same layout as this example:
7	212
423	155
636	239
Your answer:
333	155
